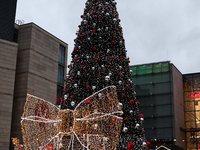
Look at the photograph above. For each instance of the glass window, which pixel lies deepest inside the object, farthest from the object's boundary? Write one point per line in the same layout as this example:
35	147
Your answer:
59	94
60	74
61	55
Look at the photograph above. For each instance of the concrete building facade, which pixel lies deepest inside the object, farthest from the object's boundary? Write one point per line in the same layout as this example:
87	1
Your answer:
37	69
8	59
35	64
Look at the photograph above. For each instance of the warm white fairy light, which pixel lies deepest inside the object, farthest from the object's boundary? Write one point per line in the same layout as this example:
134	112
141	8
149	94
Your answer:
72	129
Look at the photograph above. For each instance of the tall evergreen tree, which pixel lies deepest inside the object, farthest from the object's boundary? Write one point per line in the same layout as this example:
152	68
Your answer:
99	60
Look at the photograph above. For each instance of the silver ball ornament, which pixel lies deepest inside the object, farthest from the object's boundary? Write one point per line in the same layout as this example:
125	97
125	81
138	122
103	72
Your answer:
72	103
108	50
106	28
99	29
79	47
107	14
89	39
120	82
137	125
120	67
85	21
88	57
78	73
93	87
125	129
75	85
65	96
110	74
131	71
102	66
107	78
99	95
131	111
94	24
144	144
120	105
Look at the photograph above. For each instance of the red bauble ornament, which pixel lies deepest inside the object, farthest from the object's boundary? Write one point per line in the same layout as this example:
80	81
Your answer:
75	49
86	71
123	95
129	61
81	36
65	89
65	80
88	100
114	119
96	59
99	75
121	36
71	75
126	118
113	33
95	4
119	20
94	48
88	27
120	50
143	132
148	144
87	85
111	67
100	53
138	118
121	58
112	8
82	16
71	53
127	68
138	103
113	42
81	130
131	101
74	40
70	82
104	6
68	66
141	116
117	30
79	26
113	16
99	13
127	86
63	103
81	65
93	12
112	57
100	20
130	146
93	31
111	23
119	73
111	126
72	96
123	39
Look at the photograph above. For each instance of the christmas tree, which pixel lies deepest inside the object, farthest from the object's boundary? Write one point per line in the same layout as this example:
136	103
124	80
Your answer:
99	60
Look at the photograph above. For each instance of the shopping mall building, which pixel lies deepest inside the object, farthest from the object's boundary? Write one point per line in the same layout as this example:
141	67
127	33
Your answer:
169	102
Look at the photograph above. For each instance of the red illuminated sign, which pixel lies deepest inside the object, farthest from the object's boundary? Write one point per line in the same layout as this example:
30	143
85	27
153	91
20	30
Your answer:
195	95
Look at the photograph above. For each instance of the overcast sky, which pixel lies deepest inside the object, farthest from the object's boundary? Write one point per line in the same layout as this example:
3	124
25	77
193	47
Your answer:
154	30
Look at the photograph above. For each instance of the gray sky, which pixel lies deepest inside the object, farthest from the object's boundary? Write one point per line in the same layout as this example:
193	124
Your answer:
154	30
